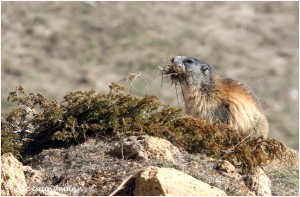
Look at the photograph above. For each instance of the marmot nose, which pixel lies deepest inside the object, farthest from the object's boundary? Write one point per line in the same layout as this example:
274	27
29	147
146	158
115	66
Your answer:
177	59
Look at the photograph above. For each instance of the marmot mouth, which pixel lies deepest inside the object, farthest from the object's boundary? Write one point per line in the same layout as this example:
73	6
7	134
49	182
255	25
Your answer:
176	72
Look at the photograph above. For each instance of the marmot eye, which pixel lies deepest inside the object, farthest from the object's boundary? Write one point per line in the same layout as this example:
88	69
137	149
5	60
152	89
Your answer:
189	61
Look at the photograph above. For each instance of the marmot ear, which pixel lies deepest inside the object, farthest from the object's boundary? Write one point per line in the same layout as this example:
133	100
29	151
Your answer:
205	69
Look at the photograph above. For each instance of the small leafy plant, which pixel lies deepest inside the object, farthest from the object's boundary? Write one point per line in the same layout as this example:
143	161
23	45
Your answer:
38	124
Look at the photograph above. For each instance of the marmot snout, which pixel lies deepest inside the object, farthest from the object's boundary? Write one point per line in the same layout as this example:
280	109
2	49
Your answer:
212	98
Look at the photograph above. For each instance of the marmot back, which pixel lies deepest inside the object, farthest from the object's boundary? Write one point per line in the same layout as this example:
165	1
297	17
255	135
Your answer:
211	98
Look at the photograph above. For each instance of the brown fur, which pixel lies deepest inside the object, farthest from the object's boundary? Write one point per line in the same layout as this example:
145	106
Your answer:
230	102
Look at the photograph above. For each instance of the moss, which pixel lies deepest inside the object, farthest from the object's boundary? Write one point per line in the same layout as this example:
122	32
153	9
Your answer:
83	115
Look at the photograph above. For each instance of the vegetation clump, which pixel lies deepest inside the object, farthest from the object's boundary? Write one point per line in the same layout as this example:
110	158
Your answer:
37	124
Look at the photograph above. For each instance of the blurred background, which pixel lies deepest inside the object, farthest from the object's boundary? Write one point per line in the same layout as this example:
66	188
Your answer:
53	48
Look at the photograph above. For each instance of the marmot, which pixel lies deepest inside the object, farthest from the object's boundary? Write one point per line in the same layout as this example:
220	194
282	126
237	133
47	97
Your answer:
212	98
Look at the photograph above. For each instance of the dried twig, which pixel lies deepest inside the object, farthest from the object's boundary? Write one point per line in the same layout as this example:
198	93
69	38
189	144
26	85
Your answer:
132	77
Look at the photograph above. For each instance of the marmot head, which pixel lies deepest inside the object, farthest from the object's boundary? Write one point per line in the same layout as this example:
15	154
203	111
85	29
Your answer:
193	71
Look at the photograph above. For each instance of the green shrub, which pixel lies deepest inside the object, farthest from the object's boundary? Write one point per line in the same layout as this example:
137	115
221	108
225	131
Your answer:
38	124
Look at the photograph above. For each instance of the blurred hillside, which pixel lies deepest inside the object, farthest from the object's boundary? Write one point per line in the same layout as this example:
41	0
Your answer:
56	47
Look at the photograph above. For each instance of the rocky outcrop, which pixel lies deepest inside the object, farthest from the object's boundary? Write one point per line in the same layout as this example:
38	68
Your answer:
144	148
32	176
154	181
258	182
13	181
225	166
16	179
79	167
